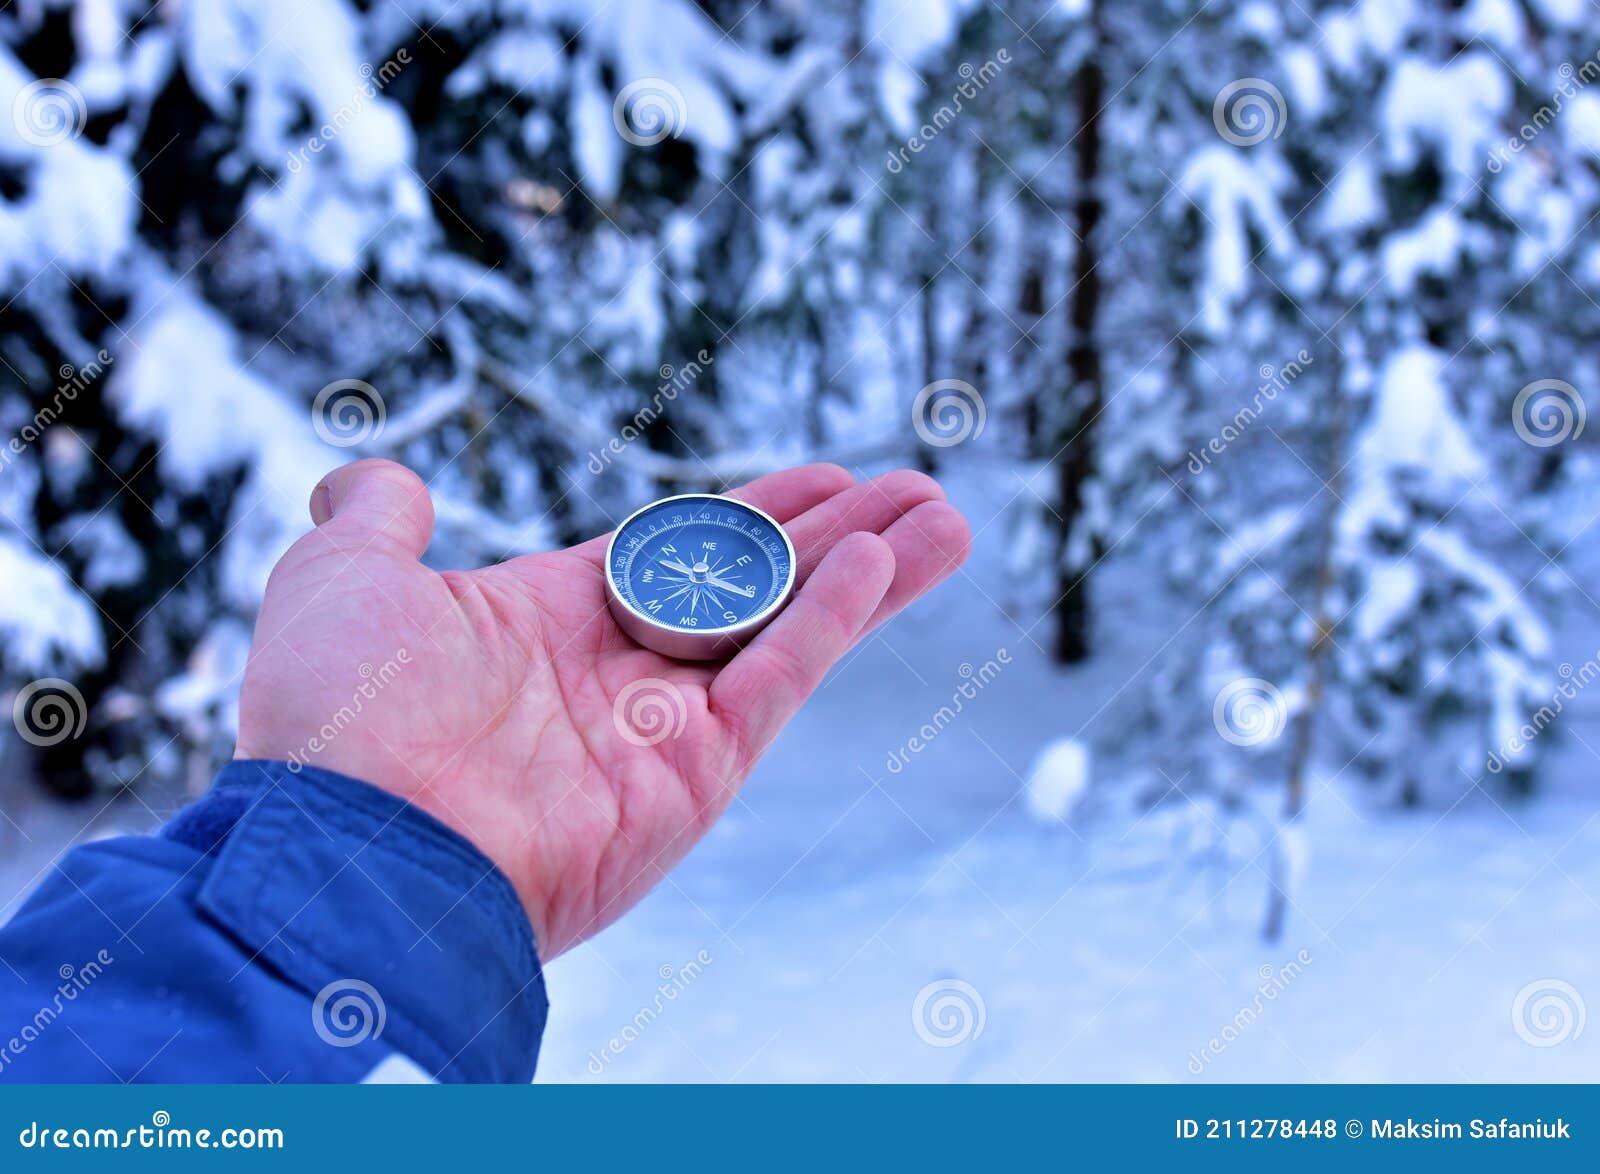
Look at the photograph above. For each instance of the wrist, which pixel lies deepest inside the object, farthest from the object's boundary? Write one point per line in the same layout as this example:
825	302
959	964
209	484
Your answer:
461	808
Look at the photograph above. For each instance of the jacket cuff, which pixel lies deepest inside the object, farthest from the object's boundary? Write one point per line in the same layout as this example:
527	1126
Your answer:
392	923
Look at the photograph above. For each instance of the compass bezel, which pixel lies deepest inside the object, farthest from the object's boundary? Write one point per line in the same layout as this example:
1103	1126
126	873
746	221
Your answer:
693	643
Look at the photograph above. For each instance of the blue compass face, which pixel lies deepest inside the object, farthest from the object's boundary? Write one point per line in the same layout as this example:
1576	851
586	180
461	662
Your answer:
697	563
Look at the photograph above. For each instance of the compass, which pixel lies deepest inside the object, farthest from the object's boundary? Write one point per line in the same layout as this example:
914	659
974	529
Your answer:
696	576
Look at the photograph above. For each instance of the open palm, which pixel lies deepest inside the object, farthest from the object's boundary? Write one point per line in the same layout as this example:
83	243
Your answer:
506	703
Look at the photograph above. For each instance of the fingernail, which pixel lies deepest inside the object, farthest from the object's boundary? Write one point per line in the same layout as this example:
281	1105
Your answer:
321	504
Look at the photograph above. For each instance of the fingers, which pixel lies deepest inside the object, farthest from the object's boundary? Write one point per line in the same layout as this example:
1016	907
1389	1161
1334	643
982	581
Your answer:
374	503
791	492
858	581
929	543
762	687
784	495
872	508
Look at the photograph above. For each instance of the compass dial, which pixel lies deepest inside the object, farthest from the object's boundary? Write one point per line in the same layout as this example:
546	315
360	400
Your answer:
697	575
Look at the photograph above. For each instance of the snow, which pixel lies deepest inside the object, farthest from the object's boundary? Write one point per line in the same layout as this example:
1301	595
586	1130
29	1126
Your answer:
907	30
1563	12
598	146
1413	425
346	173
290	59
1392	590
911	28
675	59
79	210
1369	27
1308	90
1582	120
201	434
1384	23
1104	931
1497	592
238	420
114	559
1261	21
1549	222
1352	199
828	905
1058	780
517	57
97	28
1432	247
1236	195
1499	21
210	680
1455	108
44	620
900	91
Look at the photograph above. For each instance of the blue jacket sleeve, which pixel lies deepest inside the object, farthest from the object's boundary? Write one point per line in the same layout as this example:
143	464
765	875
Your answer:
291	925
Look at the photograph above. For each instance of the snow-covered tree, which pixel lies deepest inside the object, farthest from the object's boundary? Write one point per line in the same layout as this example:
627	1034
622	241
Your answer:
1364	511
1252	293
513	244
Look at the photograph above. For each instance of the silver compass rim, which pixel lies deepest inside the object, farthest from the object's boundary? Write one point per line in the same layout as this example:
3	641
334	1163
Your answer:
697	643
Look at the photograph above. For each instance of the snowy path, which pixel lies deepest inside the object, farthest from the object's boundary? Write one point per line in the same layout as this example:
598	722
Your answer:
830	903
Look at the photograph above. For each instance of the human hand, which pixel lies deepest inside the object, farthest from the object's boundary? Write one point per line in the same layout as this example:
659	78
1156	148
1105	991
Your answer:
508	704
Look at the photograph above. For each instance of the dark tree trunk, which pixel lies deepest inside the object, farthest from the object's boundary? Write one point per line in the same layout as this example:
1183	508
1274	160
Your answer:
1075	440
928	336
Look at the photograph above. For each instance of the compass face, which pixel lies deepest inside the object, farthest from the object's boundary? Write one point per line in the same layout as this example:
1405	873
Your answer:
700	564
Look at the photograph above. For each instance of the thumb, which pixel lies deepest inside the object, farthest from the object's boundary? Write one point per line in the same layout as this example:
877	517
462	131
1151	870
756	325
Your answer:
374	503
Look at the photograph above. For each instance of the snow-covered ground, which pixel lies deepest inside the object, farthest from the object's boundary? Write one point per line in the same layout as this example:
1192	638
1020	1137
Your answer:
846	919
837	891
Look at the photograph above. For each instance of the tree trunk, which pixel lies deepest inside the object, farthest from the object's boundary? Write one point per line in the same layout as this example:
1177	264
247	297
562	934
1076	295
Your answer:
928	336
1075	440
1302	734
1322	619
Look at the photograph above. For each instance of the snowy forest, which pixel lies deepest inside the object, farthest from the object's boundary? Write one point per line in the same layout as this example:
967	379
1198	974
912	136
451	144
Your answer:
1255	339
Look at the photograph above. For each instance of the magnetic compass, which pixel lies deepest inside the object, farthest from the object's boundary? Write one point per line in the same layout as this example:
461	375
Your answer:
696	576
